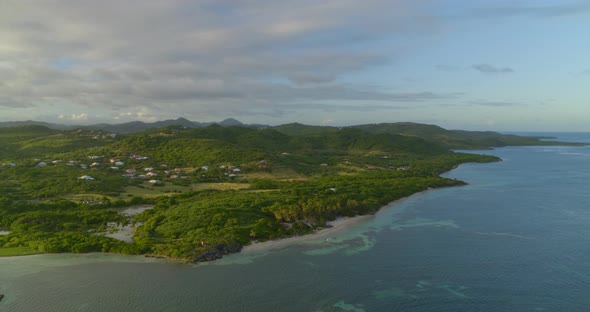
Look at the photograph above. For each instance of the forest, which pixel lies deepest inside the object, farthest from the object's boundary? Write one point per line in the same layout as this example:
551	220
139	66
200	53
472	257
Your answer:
213	189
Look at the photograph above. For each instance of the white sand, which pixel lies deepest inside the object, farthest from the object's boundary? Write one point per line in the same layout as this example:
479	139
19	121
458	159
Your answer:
337	225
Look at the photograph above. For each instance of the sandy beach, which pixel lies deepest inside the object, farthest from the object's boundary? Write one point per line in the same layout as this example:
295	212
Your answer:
337	225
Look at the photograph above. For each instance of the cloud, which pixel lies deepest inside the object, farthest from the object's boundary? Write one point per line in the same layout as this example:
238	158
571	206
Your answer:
585	72
490	69
201	58
74	117
494	103
537	11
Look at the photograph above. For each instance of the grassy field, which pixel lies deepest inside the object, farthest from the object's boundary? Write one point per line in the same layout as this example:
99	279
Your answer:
279	174
151	191
220	186
16	251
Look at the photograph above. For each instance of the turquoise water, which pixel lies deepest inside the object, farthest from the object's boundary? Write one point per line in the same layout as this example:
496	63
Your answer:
517	238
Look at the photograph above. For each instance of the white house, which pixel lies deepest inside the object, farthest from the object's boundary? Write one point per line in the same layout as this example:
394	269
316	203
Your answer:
86	178
41	164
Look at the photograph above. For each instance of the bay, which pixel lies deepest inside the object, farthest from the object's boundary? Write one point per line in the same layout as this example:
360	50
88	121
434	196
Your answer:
517	238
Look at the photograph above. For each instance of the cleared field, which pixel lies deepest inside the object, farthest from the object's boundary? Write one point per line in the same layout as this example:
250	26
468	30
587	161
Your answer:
220	186
148	190
280	174
16	251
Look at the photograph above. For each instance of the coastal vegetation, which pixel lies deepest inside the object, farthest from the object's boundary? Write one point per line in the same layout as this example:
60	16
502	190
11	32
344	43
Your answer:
213	189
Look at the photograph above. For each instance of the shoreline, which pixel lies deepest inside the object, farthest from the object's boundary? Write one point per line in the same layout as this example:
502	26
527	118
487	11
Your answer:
334	226
341	223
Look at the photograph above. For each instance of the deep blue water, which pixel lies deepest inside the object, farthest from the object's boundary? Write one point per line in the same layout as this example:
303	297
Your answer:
517	238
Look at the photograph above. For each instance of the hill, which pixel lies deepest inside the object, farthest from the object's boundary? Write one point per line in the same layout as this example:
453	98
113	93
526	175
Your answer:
213	189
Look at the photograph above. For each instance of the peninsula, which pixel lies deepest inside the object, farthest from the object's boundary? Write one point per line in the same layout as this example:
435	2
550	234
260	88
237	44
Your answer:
213	187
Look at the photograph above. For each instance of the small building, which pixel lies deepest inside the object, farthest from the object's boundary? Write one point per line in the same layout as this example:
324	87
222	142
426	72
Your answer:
154	181
41	164
86	178
119	163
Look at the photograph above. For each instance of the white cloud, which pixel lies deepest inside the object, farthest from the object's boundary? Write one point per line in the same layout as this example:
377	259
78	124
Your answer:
195	58
74	117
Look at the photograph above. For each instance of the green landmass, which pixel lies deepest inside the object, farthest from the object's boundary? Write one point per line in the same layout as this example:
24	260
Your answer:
213	189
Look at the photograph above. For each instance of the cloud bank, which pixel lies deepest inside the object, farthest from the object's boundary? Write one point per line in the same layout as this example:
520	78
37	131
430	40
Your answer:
201	59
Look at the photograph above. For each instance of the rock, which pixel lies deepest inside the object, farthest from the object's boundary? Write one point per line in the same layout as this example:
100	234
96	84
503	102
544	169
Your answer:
217	252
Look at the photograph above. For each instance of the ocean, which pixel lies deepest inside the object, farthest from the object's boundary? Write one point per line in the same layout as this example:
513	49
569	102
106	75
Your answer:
516	238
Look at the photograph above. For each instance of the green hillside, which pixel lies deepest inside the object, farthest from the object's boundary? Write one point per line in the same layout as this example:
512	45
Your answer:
214	189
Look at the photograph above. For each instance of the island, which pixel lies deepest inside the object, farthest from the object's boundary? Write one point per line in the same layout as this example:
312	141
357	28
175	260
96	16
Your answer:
212	189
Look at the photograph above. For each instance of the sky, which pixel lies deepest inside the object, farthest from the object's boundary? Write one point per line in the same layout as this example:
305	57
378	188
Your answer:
460	64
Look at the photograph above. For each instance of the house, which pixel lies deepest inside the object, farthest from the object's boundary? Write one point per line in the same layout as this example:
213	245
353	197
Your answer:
205	168
237	170
86	178
151	174
41	164
232	175
154	181
94	164
148	169
119	163
84	166
11	165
